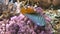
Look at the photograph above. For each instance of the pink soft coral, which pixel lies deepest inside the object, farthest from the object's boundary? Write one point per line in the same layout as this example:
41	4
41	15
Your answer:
28	27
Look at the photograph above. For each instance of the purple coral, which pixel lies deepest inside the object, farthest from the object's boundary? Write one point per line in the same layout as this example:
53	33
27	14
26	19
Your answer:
26	26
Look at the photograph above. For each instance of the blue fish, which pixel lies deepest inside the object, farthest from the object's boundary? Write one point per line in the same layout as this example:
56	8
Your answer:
37	19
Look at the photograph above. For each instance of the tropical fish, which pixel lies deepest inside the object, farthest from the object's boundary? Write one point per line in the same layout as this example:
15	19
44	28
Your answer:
35	16
27	10
37	19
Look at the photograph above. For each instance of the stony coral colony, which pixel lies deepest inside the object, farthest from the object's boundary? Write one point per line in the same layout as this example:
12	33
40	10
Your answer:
16	17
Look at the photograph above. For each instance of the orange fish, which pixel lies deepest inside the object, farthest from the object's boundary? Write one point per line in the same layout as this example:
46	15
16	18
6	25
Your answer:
27	10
